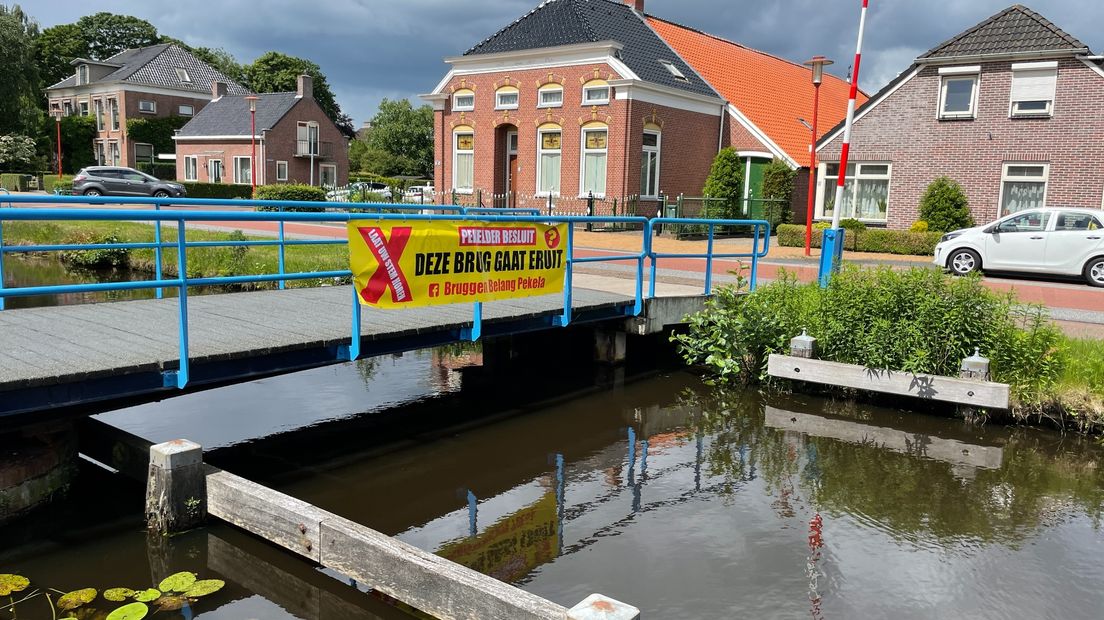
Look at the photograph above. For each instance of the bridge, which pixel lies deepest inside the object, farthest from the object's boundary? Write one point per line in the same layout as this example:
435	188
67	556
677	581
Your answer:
66	356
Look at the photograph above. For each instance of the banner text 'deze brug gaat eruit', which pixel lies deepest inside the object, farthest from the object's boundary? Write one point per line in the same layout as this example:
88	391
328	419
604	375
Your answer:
424	263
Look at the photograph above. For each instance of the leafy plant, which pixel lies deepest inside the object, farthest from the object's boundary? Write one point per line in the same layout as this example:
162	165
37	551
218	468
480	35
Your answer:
130	611
294	191
725	182
919	226
100	258
944	206
870	240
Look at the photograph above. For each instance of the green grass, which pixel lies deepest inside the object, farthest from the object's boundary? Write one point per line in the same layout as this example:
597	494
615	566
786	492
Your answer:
202	262
1085	365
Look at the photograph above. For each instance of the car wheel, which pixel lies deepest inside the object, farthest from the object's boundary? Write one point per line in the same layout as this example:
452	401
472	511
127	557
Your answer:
963	261
92	191
160	194
1094	271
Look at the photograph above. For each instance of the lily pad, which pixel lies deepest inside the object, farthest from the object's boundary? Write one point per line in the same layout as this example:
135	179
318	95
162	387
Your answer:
146	596
13	583
178	582
117	595
131	611
76	598
204	587
171	603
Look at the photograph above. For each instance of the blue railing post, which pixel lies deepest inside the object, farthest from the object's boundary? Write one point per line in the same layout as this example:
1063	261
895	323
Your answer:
2	299
475	332
283	283
755	259
353	353
709	261
182	268
158	253
565	318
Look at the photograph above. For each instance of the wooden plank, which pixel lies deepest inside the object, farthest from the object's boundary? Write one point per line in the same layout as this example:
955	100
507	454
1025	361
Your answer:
437	586
928	387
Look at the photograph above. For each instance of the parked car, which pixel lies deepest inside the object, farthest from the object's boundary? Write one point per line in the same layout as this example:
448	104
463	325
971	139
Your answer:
119	181
421	194
360	191
1059	241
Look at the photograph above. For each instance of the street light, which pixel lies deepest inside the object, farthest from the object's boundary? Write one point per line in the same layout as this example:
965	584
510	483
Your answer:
57	120
817	63
252	99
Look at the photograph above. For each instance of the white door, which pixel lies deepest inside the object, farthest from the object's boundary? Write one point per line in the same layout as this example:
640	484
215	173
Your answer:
1018	243
1076	238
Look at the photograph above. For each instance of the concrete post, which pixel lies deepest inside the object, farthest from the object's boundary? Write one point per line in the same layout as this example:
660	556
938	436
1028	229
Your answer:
803	346
176	490
598	607
609	346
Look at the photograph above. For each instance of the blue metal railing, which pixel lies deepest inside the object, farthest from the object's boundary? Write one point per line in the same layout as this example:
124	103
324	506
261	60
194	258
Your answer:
277	213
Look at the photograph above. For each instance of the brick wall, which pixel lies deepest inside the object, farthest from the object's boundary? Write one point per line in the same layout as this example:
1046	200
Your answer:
903	129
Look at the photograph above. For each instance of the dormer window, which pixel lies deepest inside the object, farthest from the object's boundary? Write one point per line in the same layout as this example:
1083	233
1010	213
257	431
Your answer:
182	75
82	74
673	70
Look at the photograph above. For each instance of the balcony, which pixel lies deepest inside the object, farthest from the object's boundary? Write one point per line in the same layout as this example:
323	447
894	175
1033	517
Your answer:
320	150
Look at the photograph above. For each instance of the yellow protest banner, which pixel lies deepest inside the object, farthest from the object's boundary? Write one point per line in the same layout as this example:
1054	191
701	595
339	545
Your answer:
426	263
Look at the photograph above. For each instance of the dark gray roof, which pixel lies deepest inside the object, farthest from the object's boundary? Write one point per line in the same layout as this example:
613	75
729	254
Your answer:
567	22
1015	30
229	116
156	65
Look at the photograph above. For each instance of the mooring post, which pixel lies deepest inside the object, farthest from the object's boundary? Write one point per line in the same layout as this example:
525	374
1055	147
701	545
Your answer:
176	490
975	367
599	607
803	346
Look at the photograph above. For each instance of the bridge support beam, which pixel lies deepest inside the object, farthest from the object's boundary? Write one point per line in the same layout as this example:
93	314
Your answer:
176	490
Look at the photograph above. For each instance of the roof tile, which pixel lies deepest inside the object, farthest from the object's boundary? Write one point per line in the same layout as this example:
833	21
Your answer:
1015	30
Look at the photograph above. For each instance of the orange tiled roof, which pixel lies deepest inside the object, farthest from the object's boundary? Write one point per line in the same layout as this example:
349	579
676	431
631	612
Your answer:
771	92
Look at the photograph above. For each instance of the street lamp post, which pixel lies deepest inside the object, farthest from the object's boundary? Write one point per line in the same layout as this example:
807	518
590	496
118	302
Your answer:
817	63
252	99
57	121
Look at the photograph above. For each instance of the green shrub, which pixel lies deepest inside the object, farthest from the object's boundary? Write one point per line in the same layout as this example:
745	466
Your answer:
217	190
919	226
162	170
296	192
870	240
852	225
15	182
778	185
50	182
944	206
105	258
726	183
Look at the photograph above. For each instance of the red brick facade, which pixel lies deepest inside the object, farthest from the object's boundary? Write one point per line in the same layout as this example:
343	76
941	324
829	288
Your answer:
903	130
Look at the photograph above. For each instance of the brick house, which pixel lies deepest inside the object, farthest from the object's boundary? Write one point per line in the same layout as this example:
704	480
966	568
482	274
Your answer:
155	81
1010	109
581	97
296	142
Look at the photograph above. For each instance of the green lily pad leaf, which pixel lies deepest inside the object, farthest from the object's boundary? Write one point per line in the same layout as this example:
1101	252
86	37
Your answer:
171	603
13	583
147	595
204	587
117	595
177	583
131	611
76	598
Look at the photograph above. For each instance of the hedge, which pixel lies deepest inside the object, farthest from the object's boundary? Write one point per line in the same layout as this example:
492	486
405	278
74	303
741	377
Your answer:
50	182
870	240
217	190
15	182
298	192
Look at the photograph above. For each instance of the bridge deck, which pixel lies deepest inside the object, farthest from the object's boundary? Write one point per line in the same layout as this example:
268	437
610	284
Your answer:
70	354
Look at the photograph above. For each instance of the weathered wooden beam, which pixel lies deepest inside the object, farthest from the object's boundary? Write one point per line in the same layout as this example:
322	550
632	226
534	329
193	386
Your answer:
927	387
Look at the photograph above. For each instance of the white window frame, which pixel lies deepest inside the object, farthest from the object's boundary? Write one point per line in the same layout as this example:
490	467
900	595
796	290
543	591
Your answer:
191	168
583	152
113	152
82	75
210	168
67	107
114	114
657	150
674	71
1021	68
313	135
180	110
542	151
949	74
456	152
507	106
284	176
147	109
540	98
456	107
98	107
83	107
1045	180
182	75
826	186
321	175
238	180
605	101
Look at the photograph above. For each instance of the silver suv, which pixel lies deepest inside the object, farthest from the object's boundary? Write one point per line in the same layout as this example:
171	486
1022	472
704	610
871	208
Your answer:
118	181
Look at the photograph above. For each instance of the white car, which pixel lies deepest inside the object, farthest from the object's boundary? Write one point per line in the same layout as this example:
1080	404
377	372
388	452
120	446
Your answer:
1059	241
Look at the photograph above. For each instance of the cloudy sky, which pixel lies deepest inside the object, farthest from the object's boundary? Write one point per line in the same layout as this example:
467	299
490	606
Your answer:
372	49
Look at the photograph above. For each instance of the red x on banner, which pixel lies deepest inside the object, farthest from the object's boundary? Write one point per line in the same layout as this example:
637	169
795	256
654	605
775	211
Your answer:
388	274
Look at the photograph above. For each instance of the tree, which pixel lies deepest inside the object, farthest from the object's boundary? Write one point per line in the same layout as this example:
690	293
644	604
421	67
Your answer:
16	152
944	206
274	72
406	133
222	60
77	134
107	34
20	101
778	185
55	49
725	182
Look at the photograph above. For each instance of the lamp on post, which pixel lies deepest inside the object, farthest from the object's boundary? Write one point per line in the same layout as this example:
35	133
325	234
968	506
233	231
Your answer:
252	99
57	121
817	63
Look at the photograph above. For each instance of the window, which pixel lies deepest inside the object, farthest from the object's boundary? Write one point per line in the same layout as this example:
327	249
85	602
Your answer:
147	106
114	154
82	75
67	107
243	170
185	110
114	114
83	108
596	93
1033	86
1023	186
214	171
463	100
1034	221
549	156
1068	220
143	153
550	97
594	162
328	175
98	104
673	70
306	138
959	96
281	171
182	75
865	191
649	165
506	99
101	156
191	172
463	162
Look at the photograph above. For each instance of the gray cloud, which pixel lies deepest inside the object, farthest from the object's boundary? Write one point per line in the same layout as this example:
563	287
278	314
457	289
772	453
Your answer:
372	49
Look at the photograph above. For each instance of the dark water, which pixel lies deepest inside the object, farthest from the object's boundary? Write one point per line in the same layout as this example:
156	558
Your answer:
21	272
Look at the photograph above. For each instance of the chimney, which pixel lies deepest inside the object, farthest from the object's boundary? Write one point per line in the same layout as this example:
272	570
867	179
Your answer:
218	90
305	88
637	5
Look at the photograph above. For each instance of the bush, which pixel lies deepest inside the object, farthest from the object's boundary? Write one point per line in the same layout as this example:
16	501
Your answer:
944	206
106	258
870	240
217	190
162	170
725	182
778	185
296	192
15	182
919	226
852	225
50	182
